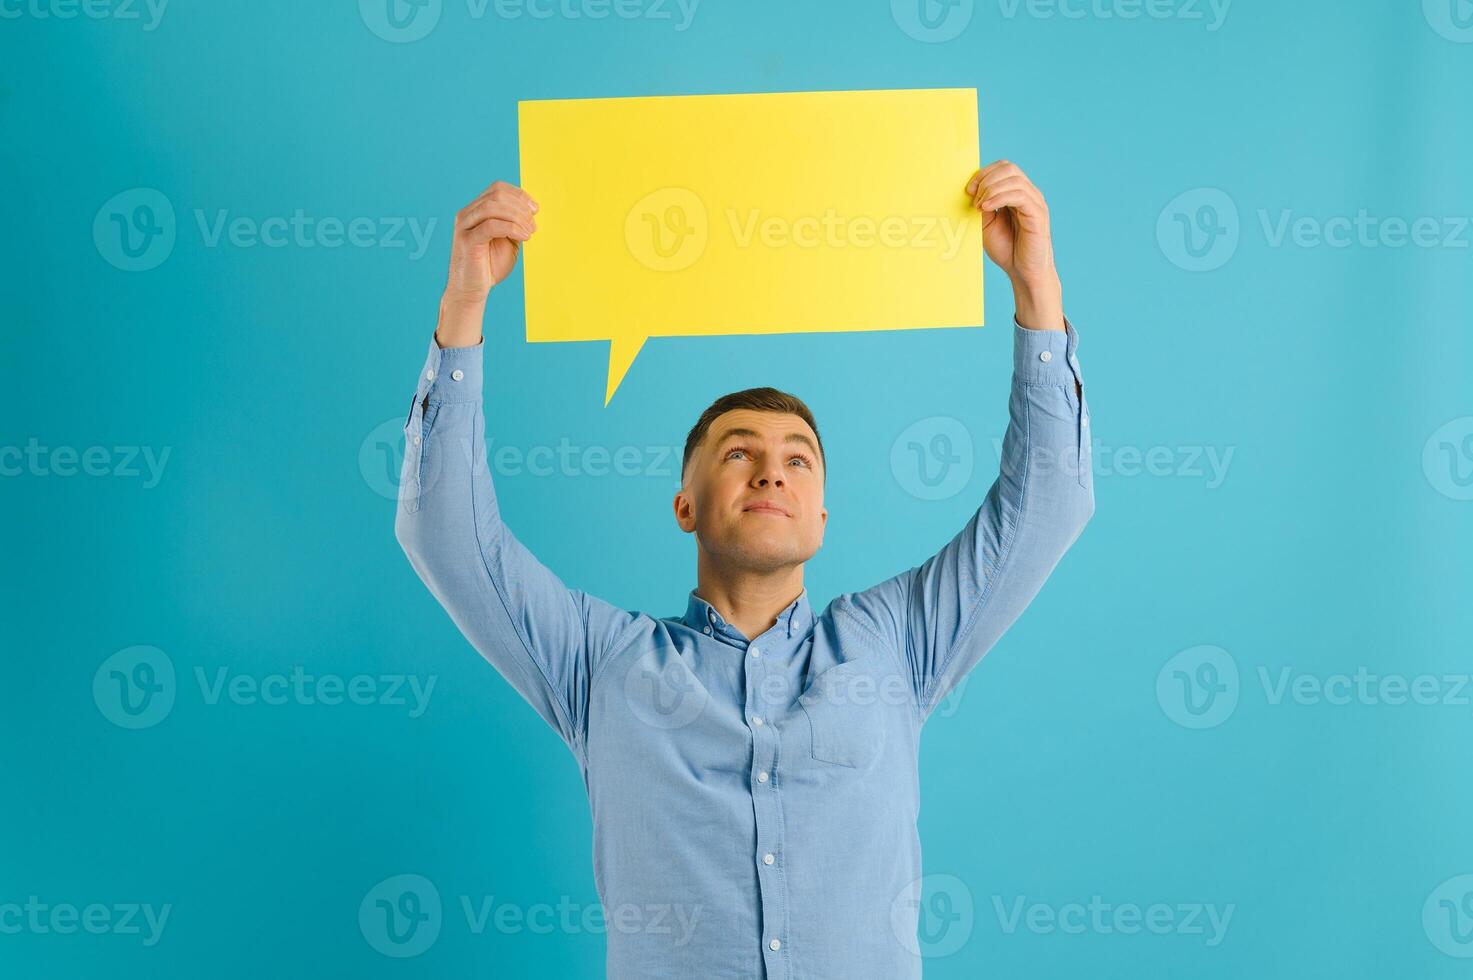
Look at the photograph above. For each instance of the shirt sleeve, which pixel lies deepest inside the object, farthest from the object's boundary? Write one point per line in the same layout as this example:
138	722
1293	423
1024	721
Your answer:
945	613
543	637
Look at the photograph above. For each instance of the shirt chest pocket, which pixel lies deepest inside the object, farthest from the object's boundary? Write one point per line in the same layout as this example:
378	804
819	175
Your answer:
846	715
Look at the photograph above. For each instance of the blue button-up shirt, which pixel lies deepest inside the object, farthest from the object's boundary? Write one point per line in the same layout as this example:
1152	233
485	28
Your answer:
754	800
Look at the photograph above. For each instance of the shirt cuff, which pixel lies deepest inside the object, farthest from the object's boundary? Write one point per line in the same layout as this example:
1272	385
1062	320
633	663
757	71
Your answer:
451	374
1046	357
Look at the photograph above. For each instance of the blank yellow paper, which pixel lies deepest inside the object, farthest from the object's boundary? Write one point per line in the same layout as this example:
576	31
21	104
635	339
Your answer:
750	214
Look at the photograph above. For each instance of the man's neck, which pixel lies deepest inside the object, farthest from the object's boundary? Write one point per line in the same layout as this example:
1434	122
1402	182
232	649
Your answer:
749	601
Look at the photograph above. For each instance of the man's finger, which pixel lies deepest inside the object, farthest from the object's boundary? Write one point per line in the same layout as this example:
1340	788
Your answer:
500	188
997	167
496	228
998	185
510	210
1018	199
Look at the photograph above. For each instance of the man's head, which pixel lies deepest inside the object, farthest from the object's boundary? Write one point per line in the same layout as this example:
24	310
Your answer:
752	478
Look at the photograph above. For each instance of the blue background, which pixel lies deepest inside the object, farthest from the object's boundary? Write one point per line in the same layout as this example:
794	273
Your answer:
1337	538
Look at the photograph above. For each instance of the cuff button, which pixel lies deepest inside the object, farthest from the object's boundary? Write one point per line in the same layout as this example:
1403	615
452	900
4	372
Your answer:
430	375
457	374
1046	356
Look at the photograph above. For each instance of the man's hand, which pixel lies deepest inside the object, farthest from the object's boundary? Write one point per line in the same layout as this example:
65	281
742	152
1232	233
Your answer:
1015	231
489	233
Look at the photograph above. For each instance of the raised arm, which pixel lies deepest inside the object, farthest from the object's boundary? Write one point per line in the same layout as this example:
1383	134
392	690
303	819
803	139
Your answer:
945	613
543	637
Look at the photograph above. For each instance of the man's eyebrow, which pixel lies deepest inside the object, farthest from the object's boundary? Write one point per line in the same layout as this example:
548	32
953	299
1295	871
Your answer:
752	434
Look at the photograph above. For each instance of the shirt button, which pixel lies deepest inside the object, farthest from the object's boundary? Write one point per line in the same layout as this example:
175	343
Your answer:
755	652
757	720
416	440
430	375
775	945
708	629
1046	356
768	859
457	374
762	776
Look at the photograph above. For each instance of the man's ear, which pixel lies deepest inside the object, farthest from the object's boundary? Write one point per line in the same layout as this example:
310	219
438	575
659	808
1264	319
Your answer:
685	514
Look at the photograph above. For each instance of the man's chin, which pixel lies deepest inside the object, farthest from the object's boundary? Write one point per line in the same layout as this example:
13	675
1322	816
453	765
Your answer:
760	556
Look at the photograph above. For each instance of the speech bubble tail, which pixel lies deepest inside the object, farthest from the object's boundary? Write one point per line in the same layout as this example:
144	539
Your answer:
622	352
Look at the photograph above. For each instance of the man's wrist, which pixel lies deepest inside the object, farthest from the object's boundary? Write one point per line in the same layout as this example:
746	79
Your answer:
460	320
1039	303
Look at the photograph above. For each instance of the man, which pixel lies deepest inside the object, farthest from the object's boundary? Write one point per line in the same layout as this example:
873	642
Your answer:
751	766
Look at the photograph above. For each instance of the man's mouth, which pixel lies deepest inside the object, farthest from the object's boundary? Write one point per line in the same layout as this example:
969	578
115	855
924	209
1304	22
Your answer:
767	509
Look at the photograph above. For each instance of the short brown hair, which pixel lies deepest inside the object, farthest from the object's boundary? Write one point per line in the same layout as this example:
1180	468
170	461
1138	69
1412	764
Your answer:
757	399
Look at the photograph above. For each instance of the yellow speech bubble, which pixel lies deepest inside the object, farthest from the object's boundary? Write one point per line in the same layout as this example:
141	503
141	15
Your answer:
706	215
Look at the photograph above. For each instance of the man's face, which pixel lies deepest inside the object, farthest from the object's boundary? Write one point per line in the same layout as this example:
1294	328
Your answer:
753	491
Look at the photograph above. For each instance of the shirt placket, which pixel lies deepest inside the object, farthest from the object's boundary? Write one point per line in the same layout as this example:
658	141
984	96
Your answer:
760	660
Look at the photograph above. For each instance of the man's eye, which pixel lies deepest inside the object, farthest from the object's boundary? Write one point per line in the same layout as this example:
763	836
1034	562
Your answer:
730	451
806	461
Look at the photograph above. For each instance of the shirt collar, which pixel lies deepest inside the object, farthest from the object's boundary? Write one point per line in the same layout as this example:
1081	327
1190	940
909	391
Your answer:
700	614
